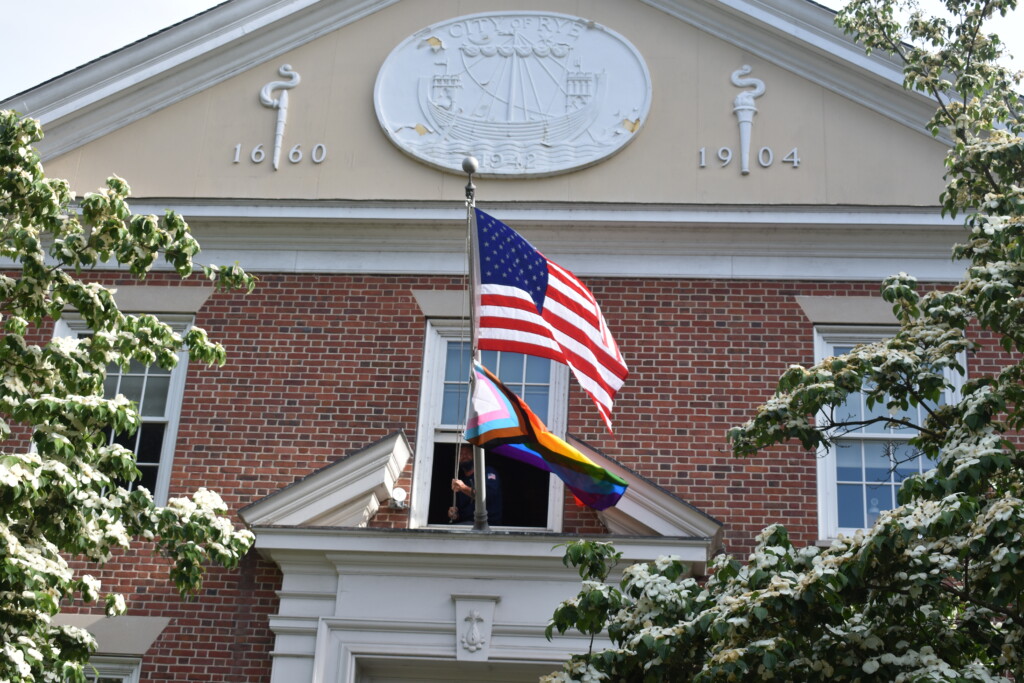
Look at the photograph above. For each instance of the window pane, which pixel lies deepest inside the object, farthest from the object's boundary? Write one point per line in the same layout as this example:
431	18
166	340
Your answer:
538	370
877	464
876	411
151	441
849	411
851	505
148	478
910	415
848	463
157	370
131	387
453	407
147	444
909	461
154	402
456	366
879	498
456	383
537	399
129	441
510	369
110	386
906	468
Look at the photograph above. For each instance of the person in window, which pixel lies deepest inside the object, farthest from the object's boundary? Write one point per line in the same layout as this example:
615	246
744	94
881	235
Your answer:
465	493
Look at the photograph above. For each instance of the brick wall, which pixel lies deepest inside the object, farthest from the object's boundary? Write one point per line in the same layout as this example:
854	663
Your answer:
321	366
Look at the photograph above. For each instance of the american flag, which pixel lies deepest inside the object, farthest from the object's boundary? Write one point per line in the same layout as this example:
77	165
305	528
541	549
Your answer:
528	304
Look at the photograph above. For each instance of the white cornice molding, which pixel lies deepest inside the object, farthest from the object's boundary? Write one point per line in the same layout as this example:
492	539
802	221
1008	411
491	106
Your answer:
169	66
698	252
801	37
839	243
544	214
446	554
600	240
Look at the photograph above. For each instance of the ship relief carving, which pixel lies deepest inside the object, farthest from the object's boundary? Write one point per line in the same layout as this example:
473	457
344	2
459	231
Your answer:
528	94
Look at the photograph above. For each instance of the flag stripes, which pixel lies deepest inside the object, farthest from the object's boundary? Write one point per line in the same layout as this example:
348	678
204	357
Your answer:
528	304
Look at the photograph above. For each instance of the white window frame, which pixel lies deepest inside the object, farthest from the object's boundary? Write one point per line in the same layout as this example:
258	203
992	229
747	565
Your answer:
438	334
128	670
71	325
826	338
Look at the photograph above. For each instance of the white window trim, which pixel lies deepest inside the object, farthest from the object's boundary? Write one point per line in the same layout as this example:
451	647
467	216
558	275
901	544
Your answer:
438	333
71	325
826	337
127	669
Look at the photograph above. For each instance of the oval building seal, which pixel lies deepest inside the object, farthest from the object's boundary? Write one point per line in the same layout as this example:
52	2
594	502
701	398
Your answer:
526	93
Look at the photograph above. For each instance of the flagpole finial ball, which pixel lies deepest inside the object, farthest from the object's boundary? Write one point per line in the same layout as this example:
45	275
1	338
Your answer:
470	165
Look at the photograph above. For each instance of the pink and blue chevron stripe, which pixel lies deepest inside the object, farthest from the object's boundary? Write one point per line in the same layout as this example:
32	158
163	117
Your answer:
502	423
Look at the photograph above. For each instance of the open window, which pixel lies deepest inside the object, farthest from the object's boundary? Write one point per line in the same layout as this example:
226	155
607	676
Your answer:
858	477
532	498
157	394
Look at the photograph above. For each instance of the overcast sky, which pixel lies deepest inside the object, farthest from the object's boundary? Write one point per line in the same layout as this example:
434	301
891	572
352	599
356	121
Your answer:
40	39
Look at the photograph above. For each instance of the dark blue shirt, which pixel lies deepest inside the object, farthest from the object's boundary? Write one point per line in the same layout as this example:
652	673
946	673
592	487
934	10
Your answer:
466	505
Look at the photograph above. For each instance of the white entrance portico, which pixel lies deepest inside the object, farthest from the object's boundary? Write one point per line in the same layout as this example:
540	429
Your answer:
362	604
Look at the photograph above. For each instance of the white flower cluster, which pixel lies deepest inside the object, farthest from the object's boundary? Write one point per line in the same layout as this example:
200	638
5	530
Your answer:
578	671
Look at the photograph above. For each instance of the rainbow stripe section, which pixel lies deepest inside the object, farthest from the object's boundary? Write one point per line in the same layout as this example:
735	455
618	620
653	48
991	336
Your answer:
502	423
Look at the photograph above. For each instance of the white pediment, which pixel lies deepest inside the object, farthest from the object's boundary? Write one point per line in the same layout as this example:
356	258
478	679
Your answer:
346	493
842	180
196	54
801	36
646	509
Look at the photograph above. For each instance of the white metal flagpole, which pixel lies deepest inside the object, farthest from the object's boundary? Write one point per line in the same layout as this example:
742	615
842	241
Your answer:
470	166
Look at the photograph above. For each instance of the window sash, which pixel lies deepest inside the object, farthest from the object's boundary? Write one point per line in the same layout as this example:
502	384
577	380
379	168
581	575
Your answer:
112	670
839	491
157	432
432	430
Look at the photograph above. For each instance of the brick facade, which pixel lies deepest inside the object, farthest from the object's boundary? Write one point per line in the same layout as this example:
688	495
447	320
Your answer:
320	366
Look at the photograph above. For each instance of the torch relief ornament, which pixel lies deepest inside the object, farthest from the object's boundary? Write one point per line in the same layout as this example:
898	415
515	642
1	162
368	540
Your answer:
744	109
279	103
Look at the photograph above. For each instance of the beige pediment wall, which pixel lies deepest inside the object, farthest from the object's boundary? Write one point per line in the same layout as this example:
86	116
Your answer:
848	153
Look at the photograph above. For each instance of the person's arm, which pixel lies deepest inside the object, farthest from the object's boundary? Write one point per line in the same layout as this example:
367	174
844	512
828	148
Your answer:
465	503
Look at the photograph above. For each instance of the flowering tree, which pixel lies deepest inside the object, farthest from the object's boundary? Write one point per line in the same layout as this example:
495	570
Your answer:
933	590
62	483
